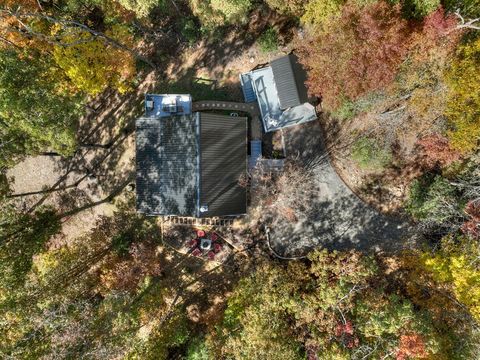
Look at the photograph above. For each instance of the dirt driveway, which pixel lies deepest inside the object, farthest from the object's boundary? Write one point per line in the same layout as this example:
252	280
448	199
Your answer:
339	220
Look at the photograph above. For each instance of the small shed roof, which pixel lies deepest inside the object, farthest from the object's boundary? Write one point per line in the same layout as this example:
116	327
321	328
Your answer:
290	80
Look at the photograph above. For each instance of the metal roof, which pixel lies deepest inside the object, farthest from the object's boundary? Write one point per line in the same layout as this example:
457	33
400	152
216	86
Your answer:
190	163
223	154
289	79
167	165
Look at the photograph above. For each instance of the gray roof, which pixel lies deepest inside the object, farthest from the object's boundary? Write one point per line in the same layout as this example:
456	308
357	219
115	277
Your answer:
223	147
167	165
186	162
289	79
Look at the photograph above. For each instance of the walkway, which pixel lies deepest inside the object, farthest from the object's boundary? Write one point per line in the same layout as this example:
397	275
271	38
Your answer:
251	108
340	220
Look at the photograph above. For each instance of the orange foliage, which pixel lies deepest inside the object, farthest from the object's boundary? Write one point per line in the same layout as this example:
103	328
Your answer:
472	226
412	346
358	53
436	151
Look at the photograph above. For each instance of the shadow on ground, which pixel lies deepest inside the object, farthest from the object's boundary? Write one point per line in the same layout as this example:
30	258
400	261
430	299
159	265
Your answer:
339	220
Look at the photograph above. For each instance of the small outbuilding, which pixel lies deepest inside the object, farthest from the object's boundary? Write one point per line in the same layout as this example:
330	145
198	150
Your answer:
279	88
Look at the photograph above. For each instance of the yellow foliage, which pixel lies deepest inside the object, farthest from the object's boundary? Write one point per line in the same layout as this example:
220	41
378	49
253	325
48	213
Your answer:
459	271
463	110
317	12
94	64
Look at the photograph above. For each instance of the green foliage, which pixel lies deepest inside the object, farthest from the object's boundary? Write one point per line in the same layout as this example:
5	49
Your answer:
418	9
317	12
268	41
349	109
369	154
290	7
468	8
331	305
432	198
198	350
142	8
189	30
214	13
36	111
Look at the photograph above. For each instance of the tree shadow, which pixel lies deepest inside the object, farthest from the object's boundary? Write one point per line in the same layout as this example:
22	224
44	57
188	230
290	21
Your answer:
339	220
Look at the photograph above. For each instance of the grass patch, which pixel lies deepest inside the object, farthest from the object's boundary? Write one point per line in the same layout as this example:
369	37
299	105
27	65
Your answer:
268	41
369	155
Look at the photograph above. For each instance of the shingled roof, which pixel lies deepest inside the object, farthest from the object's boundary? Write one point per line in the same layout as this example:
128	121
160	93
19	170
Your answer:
191	165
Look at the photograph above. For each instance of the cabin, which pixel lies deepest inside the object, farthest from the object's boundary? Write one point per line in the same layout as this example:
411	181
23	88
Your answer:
188	163
279	89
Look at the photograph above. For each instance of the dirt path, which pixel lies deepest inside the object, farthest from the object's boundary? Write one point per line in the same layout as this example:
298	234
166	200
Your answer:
340	220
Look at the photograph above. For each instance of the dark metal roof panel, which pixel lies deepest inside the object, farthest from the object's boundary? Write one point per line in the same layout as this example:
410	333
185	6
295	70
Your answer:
166	163
223	156
289	79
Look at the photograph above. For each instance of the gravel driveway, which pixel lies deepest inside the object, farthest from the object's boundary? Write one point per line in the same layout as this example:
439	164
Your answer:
340	220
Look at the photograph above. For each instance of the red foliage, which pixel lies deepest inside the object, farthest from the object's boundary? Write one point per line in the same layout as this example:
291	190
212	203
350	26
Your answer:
472	226
360	52
346	334
438	24
436	151
411	346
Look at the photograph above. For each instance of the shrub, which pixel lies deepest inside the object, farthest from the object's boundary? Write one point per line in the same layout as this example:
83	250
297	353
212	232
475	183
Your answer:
141	8
418	9
368	154
214	13
431	198
268	41
189	31
289	7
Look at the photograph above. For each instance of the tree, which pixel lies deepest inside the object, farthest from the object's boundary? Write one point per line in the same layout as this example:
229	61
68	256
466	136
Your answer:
436	151
291	7
433	198
318	12
463	80
213	13
38	111
335	305
457	267
359	52
92	64
141	8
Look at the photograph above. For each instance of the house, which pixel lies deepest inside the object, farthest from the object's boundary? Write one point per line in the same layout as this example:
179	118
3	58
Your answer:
280	92
189	164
